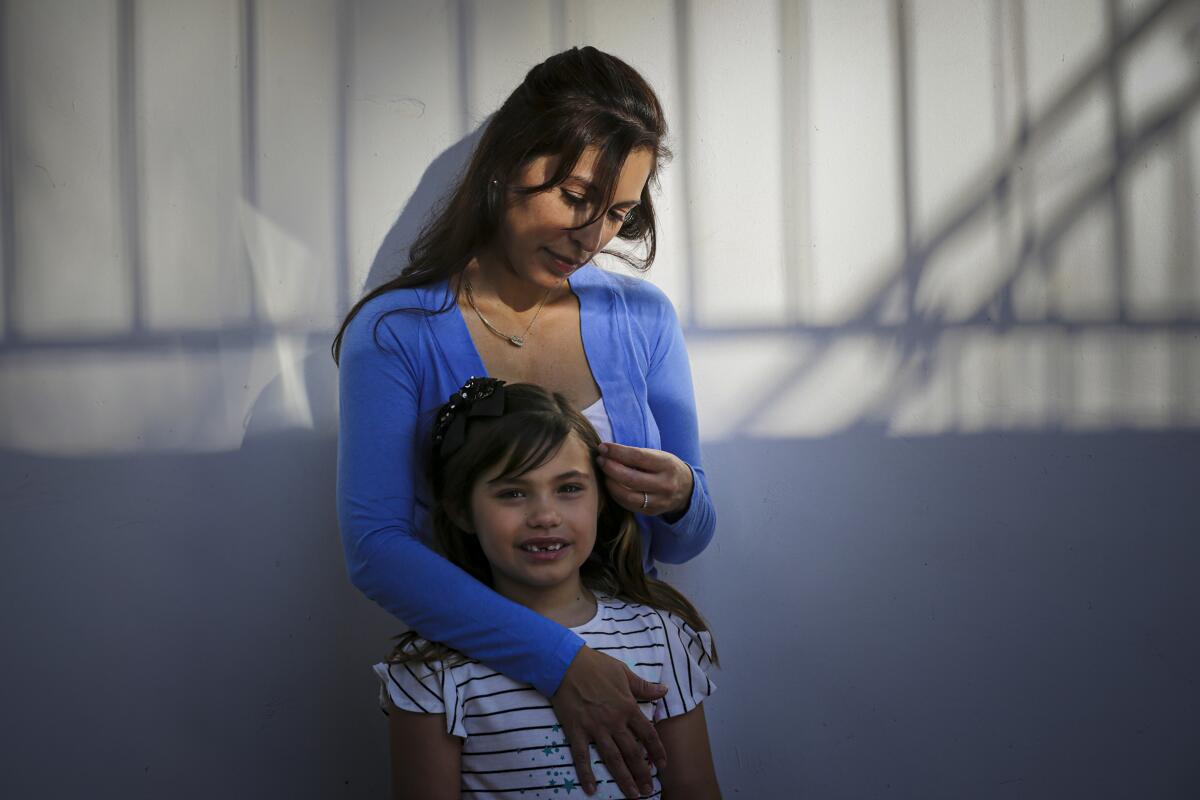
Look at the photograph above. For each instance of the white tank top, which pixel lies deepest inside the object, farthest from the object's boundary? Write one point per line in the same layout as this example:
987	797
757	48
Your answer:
598	416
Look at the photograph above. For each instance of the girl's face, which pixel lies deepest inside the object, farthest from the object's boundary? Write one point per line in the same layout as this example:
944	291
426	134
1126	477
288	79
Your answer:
539	528
537	242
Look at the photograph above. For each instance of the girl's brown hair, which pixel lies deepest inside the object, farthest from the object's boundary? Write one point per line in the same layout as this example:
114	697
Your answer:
533	426
574	100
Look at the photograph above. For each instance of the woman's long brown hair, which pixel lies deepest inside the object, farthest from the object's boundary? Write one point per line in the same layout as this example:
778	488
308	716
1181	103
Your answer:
574	100
534	425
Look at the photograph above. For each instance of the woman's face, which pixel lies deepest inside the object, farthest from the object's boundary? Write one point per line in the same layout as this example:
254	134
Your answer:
539	241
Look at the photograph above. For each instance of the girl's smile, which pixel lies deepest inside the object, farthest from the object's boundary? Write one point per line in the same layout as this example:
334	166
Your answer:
544	548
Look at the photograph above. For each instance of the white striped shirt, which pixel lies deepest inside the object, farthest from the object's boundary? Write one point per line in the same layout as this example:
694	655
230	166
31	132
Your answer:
514	746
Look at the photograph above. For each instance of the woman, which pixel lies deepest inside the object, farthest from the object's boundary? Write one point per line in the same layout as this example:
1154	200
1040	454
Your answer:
500	284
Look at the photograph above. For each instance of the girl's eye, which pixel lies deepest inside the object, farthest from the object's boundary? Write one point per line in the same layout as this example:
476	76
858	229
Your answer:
574	199
571	488
509	494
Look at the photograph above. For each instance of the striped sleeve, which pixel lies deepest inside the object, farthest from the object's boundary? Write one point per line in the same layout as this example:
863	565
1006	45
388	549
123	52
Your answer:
686	664
422	689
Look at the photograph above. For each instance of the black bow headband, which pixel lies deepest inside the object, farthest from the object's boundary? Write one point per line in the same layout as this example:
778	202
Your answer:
478	397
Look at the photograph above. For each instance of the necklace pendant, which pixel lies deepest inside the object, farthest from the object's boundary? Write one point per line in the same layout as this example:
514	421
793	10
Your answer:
516	341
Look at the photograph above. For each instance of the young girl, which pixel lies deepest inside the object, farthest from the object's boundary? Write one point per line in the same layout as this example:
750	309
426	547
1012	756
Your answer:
520	507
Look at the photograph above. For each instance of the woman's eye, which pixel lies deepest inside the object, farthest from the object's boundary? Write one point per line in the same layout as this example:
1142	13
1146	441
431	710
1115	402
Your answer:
574	199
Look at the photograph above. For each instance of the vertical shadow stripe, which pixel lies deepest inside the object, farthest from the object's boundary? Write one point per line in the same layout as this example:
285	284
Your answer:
127	161
7	247
249	132
683	77
341	224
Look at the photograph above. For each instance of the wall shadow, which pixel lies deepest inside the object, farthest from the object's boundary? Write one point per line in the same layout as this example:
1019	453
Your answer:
989	616
985	616
191	614
436	182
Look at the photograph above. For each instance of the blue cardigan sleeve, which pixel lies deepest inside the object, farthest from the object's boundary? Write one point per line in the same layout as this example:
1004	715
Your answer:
380	400
673	403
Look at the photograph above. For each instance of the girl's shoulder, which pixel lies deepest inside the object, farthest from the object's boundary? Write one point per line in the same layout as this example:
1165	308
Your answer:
624	620
438	686
660	647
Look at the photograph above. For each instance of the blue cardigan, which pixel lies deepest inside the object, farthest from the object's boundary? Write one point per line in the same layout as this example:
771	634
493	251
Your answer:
398	367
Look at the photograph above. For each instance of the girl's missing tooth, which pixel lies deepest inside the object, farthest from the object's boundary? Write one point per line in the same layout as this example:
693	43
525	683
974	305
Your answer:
520	507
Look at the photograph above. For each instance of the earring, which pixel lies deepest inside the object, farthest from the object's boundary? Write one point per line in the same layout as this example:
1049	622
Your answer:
495	197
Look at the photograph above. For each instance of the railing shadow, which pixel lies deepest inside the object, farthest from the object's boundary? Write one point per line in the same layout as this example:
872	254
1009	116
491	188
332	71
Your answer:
922	327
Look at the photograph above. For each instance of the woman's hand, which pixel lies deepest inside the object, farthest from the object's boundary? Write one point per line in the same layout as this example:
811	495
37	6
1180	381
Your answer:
597	702
646	481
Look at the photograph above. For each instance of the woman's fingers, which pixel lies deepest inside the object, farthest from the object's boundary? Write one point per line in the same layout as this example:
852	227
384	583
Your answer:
626	764
646	481
635	757
633	489
643	458
635	479
643	728
649	503
633	500
650	497
647	734
582	756
621	754
595	703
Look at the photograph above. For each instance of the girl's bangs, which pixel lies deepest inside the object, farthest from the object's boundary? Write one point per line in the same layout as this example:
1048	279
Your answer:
531	443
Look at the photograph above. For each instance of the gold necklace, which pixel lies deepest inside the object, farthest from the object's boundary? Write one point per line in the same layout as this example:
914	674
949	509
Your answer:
515	341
